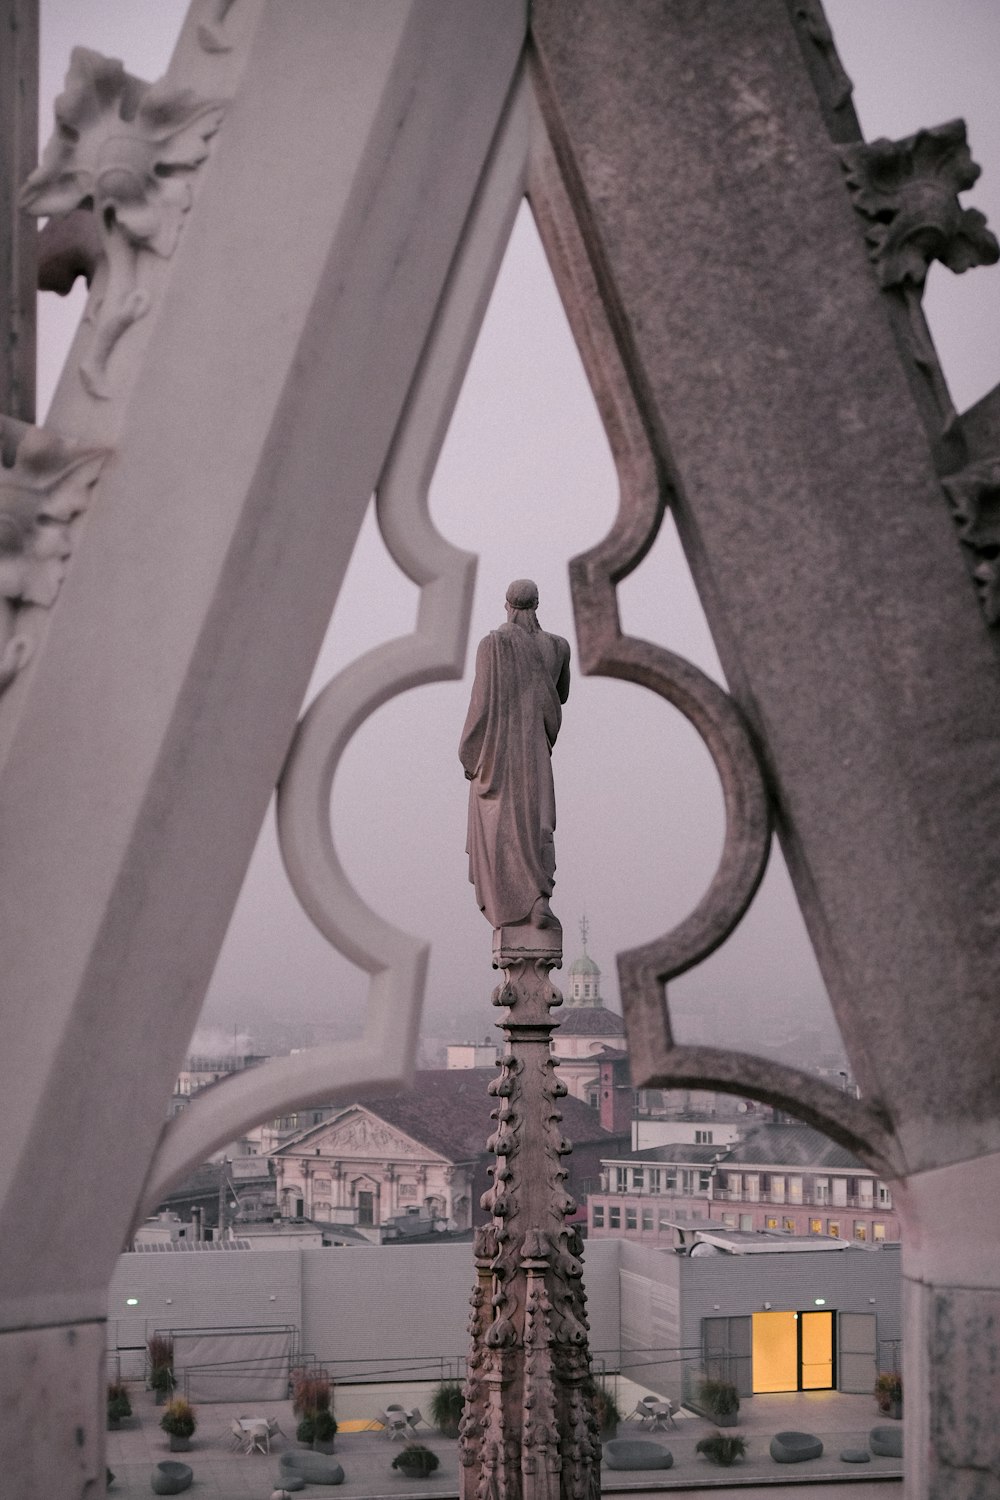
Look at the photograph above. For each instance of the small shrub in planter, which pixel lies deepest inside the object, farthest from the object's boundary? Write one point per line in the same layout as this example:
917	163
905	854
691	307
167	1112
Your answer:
324	1431
721	1399
447	1405
306	1431
416	1461
310	1392
161	1378
889	1393
722	1448
179	1422
605	1409
119	1406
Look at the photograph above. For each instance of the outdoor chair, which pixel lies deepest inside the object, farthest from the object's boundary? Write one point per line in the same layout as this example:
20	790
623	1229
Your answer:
237	1438
414	1418
259	1438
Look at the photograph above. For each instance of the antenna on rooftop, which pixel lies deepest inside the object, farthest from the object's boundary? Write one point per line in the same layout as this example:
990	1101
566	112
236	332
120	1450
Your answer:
584	929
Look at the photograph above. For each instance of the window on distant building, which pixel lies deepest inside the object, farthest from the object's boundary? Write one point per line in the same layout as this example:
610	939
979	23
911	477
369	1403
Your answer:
821	1190
833	1229
621	1179
770	1223
647	1218
631	1218
788	1224
815	1226
878	1231
654	1179
703	1138
860	1230
729	1220
671	1179
746	1221
597	1215
637	1179
615	1218
704	1181
884	1195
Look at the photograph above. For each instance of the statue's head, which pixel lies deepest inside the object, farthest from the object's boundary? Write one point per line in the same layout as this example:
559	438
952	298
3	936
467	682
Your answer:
522	594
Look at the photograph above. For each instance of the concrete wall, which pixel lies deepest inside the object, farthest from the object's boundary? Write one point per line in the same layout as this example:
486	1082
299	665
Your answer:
361	1306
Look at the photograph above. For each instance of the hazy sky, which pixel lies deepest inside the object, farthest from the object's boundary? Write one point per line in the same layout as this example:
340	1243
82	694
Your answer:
526	481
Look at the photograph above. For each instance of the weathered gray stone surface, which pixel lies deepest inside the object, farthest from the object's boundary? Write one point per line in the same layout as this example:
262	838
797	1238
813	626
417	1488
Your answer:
810	513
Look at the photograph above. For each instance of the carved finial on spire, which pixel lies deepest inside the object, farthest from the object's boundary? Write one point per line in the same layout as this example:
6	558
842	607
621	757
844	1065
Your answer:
584	930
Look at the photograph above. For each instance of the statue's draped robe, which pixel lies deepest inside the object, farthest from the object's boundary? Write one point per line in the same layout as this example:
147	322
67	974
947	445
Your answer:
512	723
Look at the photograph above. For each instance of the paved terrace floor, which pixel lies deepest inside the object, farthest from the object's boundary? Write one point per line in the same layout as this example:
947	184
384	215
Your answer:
221	1474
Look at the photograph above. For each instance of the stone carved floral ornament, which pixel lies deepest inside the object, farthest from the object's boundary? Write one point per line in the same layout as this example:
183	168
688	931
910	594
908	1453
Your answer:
975	500
127	150
43	487
907	191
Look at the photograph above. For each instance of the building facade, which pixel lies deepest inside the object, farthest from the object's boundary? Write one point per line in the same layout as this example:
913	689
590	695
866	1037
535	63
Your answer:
786	1178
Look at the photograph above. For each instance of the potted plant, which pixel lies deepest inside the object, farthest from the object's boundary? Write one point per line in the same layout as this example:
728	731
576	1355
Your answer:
306	1430
721	1400
416	1461
605	1409
722	1448
119	1406
161	1378
179	1422
889	1393
310	1392
160	1349
324	1431
447	1405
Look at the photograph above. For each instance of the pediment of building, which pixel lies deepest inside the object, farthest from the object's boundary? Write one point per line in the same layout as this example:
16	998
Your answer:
360	1134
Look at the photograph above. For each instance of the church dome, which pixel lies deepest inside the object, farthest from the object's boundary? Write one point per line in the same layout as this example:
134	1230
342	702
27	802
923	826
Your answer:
584	965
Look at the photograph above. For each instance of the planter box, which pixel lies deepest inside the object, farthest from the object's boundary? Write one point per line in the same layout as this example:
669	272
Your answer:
179	1444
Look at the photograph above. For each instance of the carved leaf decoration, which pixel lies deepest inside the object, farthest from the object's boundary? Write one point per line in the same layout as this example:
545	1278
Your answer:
40	494
127	150
909	189
975	499
118	142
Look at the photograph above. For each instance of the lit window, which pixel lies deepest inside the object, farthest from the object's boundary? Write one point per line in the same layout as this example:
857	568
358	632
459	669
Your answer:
833	1229
878	1231
815	1226
631	1219
770	1223
615	1218
597	1216
788	1224
860	1230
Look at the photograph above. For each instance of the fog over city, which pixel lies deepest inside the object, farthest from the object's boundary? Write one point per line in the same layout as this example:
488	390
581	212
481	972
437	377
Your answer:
526	481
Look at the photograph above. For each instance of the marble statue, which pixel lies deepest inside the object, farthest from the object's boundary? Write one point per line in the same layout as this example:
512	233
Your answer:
522	681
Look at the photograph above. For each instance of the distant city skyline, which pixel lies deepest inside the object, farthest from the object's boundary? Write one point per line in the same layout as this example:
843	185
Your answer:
640	822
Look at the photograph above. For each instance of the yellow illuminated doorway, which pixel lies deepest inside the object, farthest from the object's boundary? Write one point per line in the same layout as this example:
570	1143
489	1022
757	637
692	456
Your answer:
792	1351
816	1334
